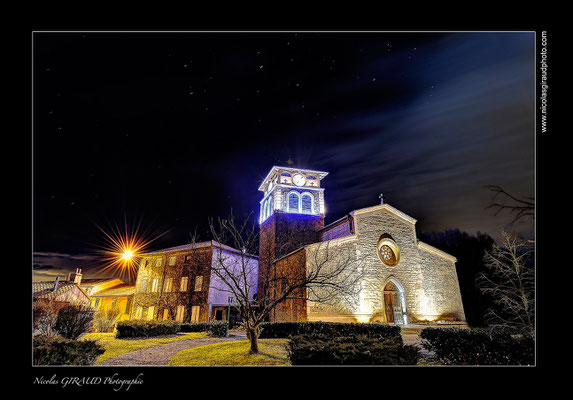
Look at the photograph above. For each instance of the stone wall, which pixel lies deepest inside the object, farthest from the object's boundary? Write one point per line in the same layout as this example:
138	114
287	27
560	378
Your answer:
440	288
425	276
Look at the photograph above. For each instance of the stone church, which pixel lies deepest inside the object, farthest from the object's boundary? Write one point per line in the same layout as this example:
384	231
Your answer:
402	279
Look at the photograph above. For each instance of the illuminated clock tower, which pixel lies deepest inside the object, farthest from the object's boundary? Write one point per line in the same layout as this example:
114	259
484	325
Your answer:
291	212
292	191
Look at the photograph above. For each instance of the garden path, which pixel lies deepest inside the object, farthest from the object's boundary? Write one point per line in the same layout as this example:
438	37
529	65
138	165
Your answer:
160	355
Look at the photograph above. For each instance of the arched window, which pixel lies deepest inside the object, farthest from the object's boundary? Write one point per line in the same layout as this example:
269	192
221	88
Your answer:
269	206
306	200
285	174
264	210
293	202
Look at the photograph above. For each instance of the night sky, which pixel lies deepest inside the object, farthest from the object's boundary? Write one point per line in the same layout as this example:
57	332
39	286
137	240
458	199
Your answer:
168	129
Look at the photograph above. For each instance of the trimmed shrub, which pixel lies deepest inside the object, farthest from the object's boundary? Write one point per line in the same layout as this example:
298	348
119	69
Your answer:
50	350
460	346
194	327
272	330
355	350
73	320
219	329
133	329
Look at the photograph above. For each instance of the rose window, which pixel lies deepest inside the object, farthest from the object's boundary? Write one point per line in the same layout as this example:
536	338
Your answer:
388	252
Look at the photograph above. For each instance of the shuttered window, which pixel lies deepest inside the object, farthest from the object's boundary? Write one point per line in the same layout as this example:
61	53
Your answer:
195	313
293	202
183	285
306	203
151	312
168	284
180	313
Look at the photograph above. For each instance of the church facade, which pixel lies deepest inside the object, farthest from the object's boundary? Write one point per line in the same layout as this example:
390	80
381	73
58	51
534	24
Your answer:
399	279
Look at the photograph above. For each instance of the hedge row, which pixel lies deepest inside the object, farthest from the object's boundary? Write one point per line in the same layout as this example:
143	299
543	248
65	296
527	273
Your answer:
271	330
49	350
194	327
355	350
133	329
459	346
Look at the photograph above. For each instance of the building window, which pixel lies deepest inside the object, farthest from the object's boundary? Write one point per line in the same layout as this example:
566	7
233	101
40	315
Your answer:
267	208
187	259
158	262
172	260
165	314
138	312
306	200
195	313
198	283
128	305
168	284
143	285
293	202
183	285
151	312
180	313
96	304
155	285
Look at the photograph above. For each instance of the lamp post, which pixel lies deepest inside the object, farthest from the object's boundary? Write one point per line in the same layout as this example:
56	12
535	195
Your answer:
229	302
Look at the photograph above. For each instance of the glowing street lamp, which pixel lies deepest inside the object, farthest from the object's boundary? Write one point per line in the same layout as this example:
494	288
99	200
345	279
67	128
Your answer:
122	249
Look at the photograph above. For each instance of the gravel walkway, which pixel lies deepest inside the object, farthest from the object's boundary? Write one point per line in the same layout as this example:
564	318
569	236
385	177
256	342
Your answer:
160	355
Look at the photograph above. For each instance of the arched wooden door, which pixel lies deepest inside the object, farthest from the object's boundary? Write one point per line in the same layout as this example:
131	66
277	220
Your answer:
393	304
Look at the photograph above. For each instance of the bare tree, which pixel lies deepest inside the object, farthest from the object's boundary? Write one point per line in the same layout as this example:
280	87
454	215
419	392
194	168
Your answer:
510	282
327	275
106	318
523	207
45	312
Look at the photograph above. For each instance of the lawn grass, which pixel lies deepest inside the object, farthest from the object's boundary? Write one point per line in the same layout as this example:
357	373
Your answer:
115	347
272	352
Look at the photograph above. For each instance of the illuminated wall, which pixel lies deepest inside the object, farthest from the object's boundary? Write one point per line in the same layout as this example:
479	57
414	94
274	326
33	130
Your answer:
426	278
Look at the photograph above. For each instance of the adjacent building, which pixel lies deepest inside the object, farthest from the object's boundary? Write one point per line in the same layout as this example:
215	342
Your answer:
61	292
180	283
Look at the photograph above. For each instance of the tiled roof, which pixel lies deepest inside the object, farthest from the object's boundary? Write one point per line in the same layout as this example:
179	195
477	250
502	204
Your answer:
125	289
44	289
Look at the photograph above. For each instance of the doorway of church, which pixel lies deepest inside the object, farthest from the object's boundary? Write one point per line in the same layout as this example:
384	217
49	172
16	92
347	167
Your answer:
393	304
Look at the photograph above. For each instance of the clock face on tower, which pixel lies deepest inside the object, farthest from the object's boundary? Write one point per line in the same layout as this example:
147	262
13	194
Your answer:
298	179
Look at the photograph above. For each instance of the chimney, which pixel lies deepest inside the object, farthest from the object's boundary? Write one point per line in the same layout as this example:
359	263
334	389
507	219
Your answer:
381	198
76	277
55	289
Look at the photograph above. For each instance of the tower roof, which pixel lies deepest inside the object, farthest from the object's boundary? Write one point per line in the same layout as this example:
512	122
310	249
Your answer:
319	174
